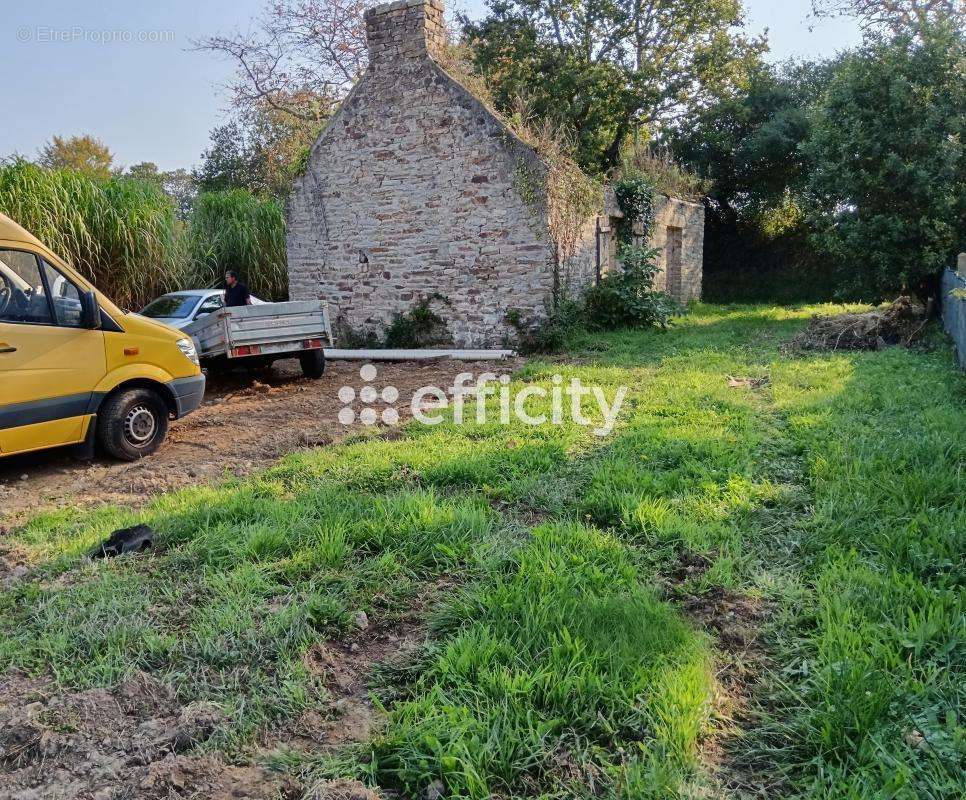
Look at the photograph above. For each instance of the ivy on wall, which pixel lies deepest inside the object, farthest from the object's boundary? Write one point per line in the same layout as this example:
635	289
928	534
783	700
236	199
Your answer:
635	199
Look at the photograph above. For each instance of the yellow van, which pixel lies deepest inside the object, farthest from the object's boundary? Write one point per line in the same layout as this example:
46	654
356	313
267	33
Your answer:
75	368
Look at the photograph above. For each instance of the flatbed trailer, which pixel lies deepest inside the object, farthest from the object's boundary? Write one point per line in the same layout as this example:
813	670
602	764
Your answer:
257	335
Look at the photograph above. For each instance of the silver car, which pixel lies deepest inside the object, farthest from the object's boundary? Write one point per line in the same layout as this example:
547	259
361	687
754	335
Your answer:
178	309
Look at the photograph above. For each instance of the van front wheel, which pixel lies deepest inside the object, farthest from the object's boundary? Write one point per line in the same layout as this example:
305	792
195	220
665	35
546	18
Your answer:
132	424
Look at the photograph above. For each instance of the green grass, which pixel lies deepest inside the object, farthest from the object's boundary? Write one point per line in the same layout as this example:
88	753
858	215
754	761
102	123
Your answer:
556	667
562	651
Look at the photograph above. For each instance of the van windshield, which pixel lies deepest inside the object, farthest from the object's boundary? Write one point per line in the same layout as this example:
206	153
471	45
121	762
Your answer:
171	306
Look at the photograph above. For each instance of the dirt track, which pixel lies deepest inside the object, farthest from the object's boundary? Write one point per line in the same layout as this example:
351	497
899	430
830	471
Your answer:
248	420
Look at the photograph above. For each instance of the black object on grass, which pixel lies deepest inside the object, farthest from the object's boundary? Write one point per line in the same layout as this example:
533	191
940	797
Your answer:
135	539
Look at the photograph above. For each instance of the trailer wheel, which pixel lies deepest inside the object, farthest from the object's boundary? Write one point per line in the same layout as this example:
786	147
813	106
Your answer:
132	424
313	363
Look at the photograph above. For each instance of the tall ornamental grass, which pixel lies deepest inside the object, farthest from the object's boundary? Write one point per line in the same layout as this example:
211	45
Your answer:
235	229
125	235
121	233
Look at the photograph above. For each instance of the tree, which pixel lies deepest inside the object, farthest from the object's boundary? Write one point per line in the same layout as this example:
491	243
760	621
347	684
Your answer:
894	16
180	186
230	162
749	146
145	171
301	59
888	169
260	151
80	153
604	67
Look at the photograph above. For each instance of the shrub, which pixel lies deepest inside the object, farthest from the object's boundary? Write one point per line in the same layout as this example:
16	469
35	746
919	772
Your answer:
420	326
236	229
549	334
888	183
626	299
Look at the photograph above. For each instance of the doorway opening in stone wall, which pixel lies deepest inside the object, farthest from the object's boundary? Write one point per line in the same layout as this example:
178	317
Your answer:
672	261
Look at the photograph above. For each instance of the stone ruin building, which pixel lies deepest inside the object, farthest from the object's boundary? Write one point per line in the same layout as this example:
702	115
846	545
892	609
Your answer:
414	190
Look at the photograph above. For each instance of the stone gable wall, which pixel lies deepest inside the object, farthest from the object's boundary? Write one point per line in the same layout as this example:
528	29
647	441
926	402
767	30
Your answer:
416	189
412	190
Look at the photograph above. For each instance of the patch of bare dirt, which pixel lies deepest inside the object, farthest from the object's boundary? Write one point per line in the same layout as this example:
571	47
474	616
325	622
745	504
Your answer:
689	564
731	617
756	382
14	563
346	668
248	421
130	742
341	789
734	620
137	741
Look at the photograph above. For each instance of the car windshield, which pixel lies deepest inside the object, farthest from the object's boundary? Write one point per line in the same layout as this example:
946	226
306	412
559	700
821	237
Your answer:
171	306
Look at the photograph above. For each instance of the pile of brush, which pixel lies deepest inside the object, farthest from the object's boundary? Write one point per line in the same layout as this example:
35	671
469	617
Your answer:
899	323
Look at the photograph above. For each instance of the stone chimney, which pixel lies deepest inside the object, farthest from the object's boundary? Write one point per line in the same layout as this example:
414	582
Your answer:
405	29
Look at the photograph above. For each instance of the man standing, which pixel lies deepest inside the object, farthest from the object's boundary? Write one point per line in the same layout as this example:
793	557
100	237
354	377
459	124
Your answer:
236	293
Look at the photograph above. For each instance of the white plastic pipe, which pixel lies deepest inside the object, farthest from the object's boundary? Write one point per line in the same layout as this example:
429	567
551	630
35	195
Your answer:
416	355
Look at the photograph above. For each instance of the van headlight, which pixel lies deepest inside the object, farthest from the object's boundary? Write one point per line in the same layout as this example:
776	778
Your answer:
187	347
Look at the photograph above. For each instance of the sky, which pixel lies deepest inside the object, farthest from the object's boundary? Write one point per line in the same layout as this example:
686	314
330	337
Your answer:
127	72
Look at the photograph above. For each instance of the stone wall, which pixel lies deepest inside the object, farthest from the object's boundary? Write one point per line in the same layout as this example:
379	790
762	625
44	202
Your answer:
673	213
412	190
673	217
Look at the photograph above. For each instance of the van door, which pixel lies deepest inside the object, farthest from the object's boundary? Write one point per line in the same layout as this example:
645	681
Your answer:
49	364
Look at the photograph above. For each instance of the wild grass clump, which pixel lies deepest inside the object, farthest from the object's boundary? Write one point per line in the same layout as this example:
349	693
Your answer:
235	229
122	233
641	159
542	668
420	326
550	333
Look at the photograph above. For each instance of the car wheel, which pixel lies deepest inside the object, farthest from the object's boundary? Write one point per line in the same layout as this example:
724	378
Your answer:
313	363
132	424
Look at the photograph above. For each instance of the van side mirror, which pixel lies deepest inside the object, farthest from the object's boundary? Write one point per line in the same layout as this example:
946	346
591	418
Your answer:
90	311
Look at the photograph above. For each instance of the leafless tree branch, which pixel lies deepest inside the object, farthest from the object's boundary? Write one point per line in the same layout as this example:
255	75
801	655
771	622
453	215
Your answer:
301	59
893	16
